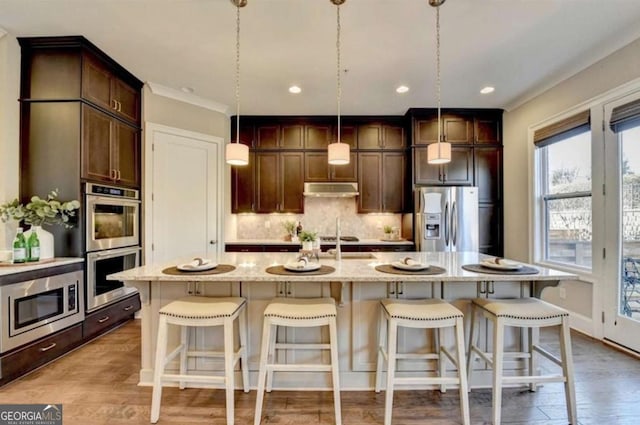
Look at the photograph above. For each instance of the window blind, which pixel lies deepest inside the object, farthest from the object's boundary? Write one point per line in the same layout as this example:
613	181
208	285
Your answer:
562	129
625	116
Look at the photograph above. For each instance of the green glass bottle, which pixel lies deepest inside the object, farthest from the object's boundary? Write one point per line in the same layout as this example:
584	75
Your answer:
19	247
33	245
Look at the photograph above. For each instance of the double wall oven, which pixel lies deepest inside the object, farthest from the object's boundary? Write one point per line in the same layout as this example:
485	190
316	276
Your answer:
112	241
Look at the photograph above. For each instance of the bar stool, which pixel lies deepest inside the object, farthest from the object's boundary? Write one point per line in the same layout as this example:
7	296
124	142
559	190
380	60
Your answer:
422	314
199	312
531	313
300	313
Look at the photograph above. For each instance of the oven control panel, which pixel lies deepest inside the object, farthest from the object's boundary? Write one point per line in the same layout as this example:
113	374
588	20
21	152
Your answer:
117	192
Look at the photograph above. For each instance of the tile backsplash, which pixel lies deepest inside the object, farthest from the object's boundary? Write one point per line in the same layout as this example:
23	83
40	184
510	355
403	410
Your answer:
319	216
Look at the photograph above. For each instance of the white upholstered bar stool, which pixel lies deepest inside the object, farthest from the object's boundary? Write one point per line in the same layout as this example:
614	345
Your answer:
531	313
198	312
300	313
424	314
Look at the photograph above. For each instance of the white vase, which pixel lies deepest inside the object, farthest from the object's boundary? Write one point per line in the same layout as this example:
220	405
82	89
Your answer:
307	246
46	241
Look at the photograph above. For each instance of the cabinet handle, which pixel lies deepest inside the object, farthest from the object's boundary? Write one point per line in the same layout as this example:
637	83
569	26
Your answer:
119	107
127	308
288	285
119	176
48	347
400	288
104	319
112	174
115	104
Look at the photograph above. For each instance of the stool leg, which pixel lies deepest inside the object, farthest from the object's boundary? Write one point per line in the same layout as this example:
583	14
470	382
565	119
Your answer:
184	343
392	338
333	343
262	371
534	340
273	340
567	368
498	355
228	368
442	365
158	369
462	373
473	336
244	362
382	324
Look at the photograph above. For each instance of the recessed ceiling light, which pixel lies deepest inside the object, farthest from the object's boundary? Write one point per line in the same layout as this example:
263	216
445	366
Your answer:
295	89
187	89
487	90
402	89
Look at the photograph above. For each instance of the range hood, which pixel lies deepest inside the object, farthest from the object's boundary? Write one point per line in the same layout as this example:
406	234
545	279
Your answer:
331	190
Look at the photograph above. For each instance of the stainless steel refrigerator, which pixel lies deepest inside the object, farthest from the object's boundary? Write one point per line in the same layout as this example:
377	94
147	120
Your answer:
446	218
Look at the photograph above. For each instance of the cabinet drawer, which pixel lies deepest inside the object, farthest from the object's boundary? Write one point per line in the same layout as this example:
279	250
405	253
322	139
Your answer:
38	353
97	322
282	248
231	247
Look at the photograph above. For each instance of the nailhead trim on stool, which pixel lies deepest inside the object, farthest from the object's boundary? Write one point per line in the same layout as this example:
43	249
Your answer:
531	313
423	314
200	312
297	312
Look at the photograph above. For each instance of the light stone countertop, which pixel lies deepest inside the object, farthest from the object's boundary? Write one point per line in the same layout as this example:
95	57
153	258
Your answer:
283	242
7	269
250	267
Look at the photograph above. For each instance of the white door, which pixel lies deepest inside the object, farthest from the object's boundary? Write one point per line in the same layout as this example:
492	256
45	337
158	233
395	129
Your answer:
185	194
622	267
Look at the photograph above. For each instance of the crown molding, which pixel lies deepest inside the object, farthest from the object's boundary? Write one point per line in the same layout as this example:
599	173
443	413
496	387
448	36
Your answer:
171	93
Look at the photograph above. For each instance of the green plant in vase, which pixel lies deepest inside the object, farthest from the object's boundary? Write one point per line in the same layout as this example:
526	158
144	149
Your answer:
388	230
308	238
290	227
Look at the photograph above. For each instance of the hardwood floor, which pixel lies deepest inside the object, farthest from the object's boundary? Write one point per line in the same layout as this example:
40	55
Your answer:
97	386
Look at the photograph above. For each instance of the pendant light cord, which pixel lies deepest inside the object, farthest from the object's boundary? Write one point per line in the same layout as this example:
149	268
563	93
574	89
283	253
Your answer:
238	73
438	71
338	67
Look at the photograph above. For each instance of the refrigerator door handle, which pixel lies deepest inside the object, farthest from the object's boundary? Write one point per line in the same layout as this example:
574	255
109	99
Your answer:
446	224
454	224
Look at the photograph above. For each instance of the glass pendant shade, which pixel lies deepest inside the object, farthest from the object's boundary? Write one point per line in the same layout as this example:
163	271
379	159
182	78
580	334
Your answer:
237	154
338	153
439	153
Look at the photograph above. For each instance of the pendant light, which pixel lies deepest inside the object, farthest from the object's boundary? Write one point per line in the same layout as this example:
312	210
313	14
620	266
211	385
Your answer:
237	153
338	152
440	152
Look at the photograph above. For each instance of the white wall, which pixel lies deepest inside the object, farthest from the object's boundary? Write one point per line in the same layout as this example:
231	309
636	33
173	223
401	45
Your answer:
9	128
618	68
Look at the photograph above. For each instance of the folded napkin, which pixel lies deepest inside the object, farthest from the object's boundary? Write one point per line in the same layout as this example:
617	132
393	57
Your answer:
410	262
501	262
301	262
197	262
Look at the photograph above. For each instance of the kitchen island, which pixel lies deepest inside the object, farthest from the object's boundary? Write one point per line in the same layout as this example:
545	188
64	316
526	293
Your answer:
355	284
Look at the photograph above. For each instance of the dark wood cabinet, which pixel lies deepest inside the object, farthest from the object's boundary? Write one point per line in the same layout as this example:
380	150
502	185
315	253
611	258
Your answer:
490	229
317	168
488	174
487	129
110	149
351	247
381	182
279	182
285	136
456	129
381	136
348	134
317	136
458	172
242	187
247	132
99	321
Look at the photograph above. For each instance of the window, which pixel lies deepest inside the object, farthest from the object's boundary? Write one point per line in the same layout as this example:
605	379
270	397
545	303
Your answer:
565	192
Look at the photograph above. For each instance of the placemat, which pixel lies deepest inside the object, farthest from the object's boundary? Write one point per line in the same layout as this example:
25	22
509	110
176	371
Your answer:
280	270
388	268
220	268
479	268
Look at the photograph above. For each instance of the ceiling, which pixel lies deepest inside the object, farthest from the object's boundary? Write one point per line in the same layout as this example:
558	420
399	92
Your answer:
521	47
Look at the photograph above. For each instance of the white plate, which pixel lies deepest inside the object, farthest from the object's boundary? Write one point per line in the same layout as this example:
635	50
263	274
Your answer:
189	267
411	267
295	267
504	265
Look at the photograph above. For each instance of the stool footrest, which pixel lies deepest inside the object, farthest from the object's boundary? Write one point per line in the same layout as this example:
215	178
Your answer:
532	379
548	355
436	380
192	378
299	367
449	355
284	346
416	356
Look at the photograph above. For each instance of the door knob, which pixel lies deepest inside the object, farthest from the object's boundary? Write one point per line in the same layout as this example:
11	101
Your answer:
213	242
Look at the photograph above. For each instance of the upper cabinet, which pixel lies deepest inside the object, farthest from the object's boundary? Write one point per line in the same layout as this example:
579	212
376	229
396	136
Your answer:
276	136
377	135
464	127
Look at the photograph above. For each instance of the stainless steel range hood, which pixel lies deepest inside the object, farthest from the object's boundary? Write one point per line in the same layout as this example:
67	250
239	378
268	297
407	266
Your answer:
331	190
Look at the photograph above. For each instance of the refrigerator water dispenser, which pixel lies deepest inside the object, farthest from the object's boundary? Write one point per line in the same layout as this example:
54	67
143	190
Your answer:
432	226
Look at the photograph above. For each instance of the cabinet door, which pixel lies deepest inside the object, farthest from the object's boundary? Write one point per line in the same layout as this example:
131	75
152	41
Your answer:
490	229
268	137
96	83
316	167
488	174
348	135
267	193
370	136
460	170
425	131
370	182
487	130
347	172
317	136
292	137
393	181
126	150
242	185
393	137
247	135
97	162
457	129
128	100
425	173
292	182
